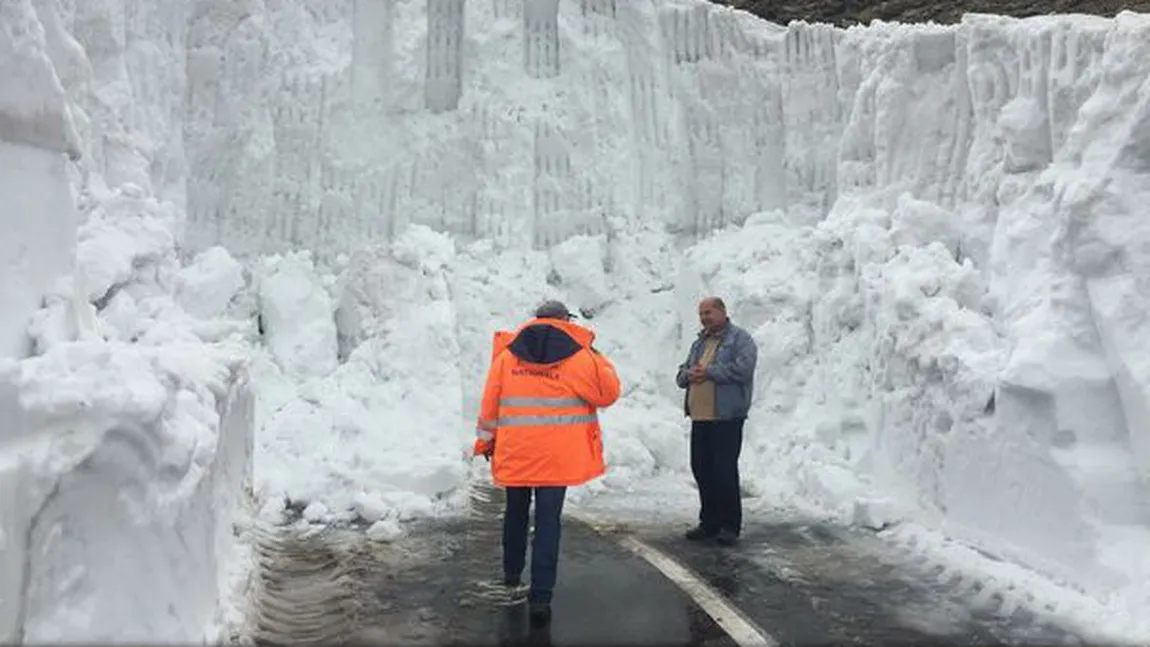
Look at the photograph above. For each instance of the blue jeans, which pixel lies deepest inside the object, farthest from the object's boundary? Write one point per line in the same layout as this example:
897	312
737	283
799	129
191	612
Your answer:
544	548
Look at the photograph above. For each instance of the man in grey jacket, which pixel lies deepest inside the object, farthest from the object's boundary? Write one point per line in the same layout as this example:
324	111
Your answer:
719	377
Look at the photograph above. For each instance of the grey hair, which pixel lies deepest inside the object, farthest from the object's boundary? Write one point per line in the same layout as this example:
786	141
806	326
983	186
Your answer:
552	309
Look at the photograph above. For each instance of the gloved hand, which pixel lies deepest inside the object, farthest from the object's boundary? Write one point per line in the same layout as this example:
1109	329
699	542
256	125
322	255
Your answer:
485	448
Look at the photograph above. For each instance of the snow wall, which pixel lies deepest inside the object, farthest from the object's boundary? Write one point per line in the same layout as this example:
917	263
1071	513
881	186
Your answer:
935	234
126	441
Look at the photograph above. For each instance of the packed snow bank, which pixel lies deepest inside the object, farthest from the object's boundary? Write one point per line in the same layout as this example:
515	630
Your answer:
125	459
958	332
38	218
121	498
40	227
379	435
942	269
128	455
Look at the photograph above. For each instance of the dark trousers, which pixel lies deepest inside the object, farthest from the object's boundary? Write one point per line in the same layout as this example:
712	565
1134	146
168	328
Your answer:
715	449
544	548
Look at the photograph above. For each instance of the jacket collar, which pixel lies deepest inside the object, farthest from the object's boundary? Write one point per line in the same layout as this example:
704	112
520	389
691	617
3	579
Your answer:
583	336
720	334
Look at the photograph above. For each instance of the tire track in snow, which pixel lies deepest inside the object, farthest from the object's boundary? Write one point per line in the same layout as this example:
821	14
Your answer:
308	587
326	585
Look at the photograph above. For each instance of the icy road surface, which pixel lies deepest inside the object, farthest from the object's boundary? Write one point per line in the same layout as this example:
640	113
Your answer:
794	583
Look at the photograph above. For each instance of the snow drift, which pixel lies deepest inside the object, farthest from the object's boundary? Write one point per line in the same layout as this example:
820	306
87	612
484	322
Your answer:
932	231
125	455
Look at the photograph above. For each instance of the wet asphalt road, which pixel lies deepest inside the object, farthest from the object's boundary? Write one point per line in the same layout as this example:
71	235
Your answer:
820	585
605	595
802	584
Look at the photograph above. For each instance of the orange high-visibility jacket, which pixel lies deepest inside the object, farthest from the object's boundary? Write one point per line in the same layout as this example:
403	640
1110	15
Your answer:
539	405
499	342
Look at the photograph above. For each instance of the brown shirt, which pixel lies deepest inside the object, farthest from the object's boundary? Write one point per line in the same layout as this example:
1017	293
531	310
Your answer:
701	396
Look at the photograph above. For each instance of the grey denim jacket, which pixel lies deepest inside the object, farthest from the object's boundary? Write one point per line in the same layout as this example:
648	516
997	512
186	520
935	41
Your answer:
732	370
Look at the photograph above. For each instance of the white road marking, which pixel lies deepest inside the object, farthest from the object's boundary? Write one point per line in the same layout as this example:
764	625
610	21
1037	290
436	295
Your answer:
740	628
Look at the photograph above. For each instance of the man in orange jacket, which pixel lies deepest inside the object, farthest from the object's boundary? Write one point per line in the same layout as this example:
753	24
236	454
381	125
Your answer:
539	427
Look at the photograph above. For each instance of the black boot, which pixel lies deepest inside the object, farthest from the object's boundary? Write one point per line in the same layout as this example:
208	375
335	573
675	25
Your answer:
727	537
540	612
699	533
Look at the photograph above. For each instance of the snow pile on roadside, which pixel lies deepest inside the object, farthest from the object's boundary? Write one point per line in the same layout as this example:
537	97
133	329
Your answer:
132	435
380	434
373	372
125	463
889	389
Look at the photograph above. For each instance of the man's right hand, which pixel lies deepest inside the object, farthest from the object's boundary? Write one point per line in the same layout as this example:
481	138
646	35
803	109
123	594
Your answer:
696	374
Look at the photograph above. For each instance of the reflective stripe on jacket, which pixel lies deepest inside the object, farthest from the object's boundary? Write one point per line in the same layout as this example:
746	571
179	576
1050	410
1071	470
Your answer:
543	389
485	428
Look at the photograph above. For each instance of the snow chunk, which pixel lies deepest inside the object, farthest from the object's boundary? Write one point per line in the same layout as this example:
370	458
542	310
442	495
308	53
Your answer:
209	283
316	511
127	238
918	223
385	530
578	267
296	312
875	513
380	281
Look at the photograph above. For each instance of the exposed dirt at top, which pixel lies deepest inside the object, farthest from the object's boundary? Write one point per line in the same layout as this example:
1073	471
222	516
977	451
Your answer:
851	12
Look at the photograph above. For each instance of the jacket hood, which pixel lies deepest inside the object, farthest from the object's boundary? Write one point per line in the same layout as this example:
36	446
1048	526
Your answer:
547	341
